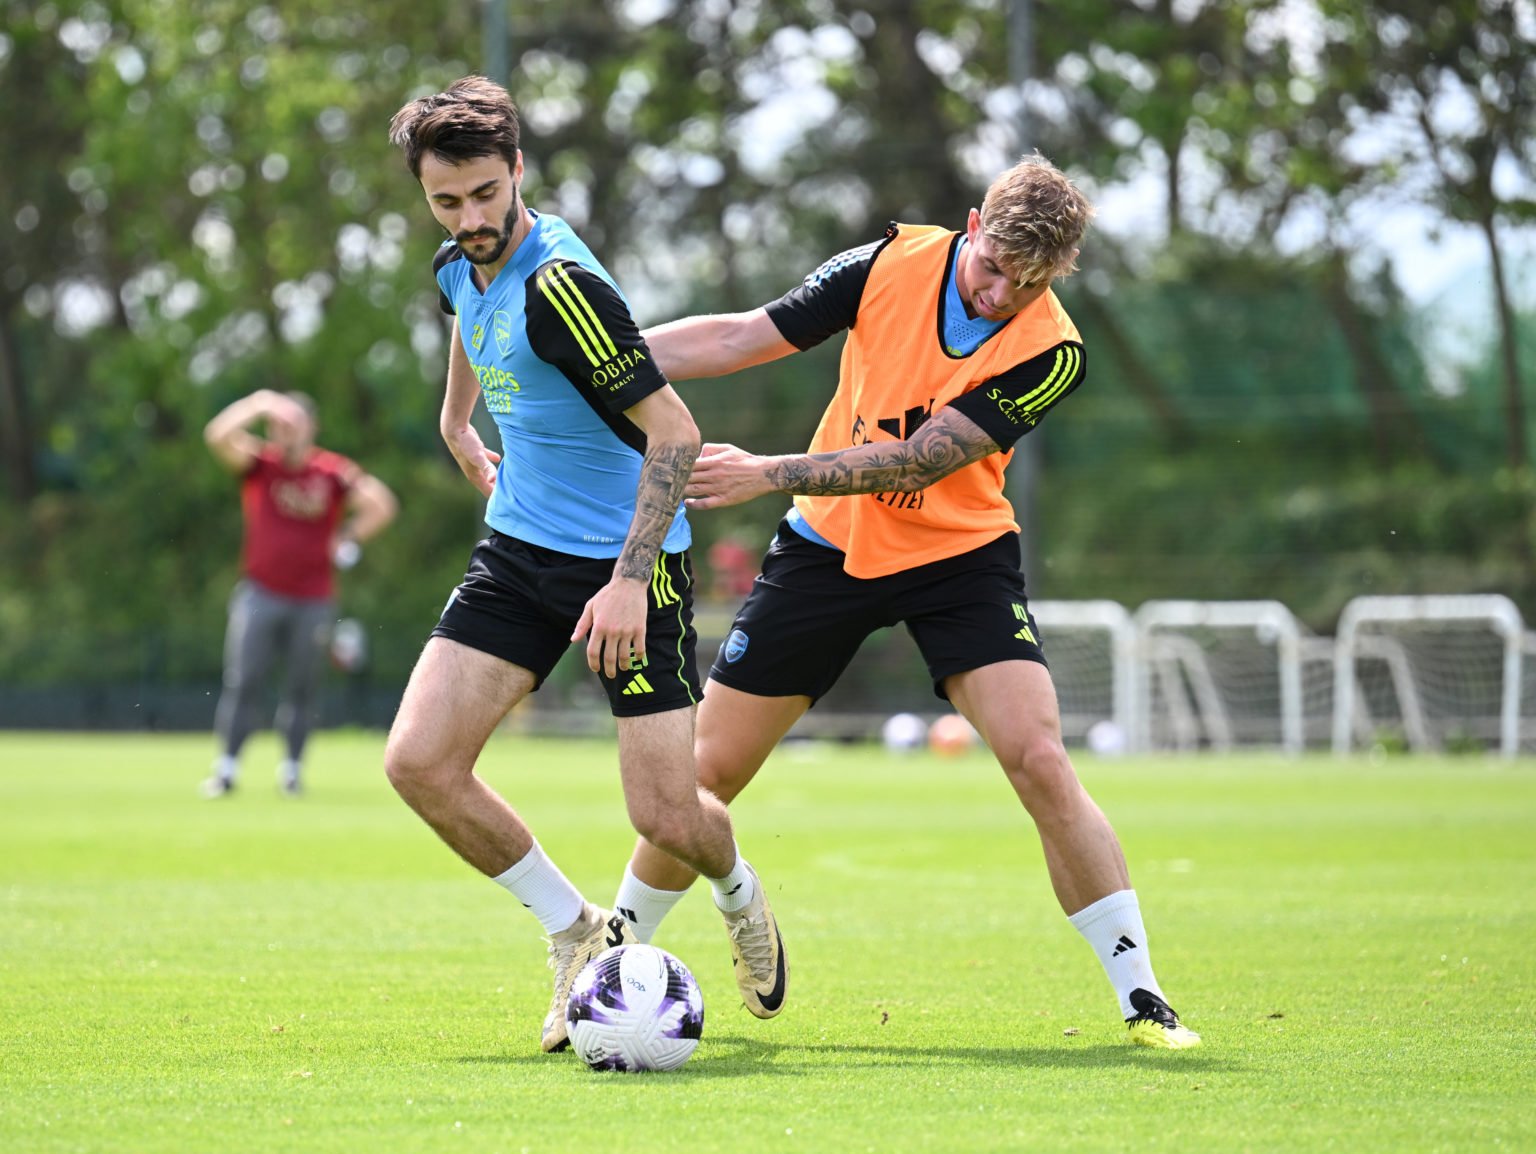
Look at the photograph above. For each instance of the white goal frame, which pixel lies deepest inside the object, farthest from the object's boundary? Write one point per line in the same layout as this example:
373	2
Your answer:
1493	609
1163	655
1114	620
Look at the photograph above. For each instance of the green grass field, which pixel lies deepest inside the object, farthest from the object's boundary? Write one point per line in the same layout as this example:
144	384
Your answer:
1356	943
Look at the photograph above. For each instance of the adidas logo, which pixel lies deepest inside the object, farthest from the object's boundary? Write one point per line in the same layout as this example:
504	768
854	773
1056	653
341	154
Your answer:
1122	945
637	685
1025	633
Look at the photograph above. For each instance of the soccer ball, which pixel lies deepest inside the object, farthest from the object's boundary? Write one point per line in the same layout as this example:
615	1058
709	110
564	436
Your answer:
902	732
635	1008
951	735
1106	739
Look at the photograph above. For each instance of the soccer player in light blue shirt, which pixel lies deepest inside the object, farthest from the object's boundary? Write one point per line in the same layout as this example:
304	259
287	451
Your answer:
588	541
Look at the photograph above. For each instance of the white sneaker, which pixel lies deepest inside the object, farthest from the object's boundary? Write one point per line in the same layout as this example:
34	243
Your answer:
762	971
217	785
569	950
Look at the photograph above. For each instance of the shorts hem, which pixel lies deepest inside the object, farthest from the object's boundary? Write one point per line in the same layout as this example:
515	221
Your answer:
449	634
971	666
655	708
741	686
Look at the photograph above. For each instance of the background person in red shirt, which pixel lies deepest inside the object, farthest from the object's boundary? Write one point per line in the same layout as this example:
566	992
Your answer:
307	512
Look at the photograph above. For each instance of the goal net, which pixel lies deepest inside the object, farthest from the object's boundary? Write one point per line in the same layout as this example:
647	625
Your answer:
1090	647
1225	675
1431	673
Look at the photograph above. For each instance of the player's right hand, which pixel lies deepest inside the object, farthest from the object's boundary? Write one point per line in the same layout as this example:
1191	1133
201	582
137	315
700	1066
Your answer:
285	416
726	475
613	623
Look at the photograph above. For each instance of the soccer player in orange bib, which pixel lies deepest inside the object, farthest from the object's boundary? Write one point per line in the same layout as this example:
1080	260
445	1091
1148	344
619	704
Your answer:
956	347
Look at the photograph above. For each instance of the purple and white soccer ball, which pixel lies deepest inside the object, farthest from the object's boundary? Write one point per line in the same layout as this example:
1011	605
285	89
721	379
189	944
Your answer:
635	1008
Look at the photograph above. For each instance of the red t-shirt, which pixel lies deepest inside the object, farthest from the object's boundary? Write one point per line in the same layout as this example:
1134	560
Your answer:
290	520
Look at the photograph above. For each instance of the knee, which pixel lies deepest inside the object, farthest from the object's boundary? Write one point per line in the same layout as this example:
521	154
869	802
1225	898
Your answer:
412	768
719	777
664	827
1041	774
399	766
238	681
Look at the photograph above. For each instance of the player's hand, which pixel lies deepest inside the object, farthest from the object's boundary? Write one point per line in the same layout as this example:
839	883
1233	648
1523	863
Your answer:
477	462
346	553
613	623
725	475
285	416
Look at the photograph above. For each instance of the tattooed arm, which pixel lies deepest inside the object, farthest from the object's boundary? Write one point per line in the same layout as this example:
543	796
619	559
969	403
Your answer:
616	615
725	475
672	445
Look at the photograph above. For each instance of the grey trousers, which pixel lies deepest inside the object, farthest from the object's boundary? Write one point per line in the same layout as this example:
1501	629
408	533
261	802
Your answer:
262	626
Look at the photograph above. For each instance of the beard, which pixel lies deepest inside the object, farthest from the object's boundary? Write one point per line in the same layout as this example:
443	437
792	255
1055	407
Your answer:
500	238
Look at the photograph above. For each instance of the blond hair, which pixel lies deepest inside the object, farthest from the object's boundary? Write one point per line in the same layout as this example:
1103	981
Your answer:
1034	218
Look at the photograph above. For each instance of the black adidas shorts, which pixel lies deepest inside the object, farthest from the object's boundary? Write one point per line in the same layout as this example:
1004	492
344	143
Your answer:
520	602
805	617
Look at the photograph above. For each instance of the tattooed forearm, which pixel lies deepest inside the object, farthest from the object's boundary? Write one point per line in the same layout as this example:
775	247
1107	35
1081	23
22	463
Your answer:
935	451
663	477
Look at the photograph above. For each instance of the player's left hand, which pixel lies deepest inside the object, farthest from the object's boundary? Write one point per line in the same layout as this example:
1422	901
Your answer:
725	475
346	553
613	623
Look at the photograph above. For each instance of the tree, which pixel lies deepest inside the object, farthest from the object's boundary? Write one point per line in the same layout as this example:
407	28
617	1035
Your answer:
1458	81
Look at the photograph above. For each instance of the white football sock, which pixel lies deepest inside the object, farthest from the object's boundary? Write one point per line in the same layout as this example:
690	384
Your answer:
538	883
226	767
735	889
643	906
1113	928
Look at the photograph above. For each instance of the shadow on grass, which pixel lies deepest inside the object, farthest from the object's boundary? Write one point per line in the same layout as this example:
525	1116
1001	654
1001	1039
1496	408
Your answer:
733	1056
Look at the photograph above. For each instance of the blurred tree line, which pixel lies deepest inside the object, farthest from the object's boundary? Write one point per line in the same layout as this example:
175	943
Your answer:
200	201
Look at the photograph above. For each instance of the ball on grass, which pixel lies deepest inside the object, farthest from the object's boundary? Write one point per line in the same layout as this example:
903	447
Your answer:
903	732
1106	739
951	735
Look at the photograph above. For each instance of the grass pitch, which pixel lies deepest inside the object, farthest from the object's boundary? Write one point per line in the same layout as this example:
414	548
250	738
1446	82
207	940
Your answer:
1355	941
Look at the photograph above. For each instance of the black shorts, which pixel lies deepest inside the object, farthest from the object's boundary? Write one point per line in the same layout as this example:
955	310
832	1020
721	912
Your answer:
520	602
805	617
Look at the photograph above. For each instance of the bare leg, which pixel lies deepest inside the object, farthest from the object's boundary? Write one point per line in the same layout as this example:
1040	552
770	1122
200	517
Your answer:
736	733
666	805
456	698
1013	705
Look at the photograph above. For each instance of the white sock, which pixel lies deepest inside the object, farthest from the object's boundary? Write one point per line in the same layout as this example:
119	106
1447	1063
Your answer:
226	767
735	889
1113	928
643	906
288	770
538	883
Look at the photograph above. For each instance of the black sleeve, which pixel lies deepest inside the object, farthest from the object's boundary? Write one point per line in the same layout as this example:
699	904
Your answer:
579	323
444	254
827	301
1012	403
